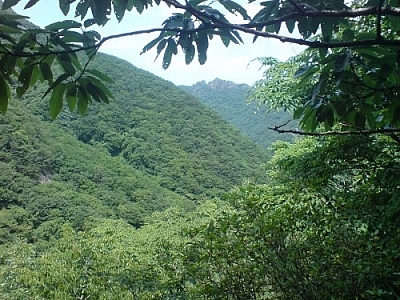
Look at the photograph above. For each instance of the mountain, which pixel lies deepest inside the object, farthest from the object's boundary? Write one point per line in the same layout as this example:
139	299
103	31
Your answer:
152	148
229	100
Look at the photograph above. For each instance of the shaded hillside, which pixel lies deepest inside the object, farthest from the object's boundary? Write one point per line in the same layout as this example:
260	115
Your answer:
161	130
49	178
229	100
152	148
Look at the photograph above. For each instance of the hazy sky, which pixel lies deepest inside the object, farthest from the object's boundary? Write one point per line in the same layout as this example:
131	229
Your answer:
225	63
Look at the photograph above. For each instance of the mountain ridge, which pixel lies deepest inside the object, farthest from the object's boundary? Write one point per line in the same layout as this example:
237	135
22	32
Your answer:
229	99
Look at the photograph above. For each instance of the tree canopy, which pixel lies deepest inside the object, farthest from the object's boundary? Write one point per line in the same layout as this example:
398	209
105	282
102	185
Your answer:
348	77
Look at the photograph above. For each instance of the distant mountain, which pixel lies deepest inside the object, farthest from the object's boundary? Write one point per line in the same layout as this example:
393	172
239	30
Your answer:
229	100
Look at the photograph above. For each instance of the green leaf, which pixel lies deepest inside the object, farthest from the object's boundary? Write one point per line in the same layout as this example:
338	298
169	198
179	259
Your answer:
70	93
56	100
64	60
30	3
89	22
35	75
327	29
100	75
298	112
169	51
348	35
59	79
83	100
202	46
82	9
290	24
190	53
9	29
24	78
64	6
46	72
304	70
4	95
139	6
233	7
151	44
73	37
101	86
9	3
95	92
359	120
341	62
62	25
120	6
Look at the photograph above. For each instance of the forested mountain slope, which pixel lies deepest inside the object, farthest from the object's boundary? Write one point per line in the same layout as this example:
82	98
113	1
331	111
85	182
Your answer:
152	148
48	178
166	133
229	100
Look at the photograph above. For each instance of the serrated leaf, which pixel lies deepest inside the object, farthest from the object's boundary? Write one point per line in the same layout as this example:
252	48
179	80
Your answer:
46	72
4	95
96	93
56	100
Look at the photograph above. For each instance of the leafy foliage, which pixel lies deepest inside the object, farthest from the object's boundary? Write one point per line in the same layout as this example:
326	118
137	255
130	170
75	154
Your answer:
30	54
141	154
325	226
350	83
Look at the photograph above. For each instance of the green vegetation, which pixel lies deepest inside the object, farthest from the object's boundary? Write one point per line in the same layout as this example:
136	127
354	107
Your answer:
325	226
140	154
121	204
229	100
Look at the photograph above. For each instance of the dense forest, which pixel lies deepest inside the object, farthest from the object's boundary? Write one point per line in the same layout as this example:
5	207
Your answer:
156	196
232	101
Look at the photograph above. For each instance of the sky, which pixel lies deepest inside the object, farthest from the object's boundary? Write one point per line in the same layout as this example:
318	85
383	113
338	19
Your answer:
233	63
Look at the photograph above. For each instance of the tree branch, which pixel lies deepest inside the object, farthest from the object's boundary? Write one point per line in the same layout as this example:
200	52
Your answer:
388	131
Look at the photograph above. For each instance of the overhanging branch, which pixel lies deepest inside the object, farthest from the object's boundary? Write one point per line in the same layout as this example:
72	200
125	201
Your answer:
349	132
